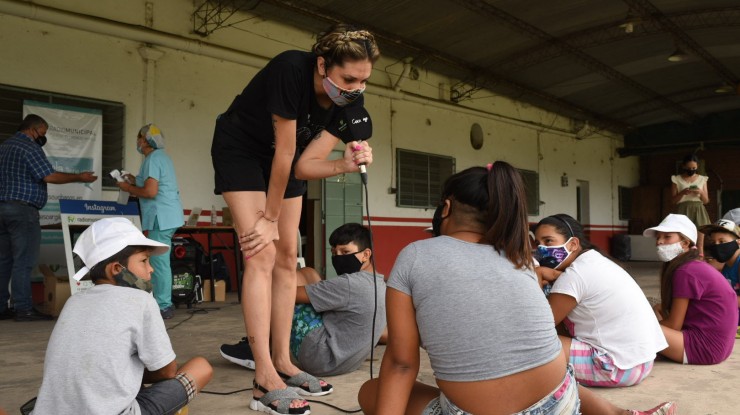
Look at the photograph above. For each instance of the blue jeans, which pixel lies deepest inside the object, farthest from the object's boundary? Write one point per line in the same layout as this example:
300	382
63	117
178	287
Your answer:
561	401
20	242
162	275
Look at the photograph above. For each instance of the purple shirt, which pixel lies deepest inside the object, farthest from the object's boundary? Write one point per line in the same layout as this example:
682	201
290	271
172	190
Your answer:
709	326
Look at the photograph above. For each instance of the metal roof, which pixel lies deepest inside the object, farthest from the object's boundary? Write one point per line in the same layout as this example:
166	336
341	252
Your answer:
604	61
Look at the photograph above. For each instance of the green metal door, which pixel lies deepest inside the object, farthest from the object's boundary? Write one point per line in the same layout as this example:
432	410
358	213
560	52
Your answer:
341	203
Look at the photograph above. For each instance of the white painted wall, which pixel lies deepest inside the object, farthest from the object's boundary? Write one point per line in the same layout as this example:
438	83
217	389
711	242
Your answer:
40	51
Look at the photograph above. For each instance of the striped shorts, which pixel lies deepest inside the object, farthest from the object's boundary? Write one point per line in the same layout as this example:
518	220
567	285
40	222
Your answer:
594	367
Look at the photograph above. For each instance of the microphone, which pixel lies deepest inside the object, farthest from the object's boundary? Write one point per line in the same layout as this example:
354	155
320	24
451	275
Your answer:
355	124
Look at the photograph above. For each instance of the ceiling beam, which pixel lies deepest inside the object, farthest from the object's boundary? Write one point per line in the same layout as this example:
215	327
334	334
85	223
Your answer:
647	10
518	25
612	32
486	76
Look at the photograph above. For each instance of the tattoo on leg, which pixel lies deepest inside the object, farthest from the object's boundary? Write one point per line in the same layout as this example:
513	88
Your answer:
251	339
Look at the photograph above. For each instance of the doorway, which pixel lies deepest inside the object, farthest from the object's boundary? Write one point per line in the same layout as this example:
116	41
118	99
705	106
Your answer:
341	203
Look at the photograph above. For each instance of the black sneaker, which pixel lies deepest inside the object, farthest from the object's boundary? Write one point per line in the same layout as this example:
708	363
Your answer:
32	315
7	314
167	313
239	353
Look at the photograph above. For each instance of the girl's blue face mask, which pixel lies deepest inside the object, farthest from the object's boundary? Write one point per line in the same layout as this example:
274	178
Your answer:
552	256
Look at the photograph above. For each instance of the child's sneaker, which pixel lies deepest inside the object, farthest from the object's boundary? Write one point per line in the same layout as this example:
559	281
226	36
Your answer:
666	408
239	353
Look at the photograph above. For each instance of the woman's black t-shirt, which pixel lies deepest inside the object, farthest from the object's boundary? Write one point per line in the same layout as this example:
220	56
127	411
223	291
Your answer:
284	87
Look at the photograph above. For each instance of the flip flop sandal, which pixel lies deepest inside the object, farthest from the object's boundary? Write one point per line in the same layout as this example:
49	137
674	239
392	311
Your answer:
283	397
314	387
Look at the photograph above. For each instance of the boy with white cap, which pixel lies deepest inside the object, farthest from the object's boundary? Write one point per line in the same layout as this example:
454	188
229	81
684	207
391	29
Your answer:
111	338
723	239
698	309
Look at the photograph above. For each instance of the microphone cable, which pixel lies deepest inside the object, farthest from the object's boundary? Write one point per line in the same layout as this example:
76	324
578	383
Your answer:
375	275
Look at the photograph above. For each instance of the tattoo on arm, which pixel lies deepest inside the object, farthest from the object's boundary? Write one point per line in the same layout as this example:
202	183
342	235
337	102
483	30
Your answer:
251	339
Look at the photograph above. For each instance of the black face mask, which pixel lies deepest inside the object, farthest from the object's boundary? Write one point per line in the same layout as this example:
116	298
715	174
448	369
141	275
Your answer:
437	219
690	172
346	264
40	140
723	252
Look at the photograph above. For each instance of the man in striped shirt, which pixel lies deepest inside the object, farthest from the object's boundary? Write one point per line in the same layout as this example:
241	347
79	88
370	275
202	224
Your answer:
24	173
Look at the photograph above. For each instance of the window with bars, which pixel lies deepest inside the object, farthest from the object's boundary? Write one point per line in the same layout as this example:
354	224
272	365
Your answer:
532	188
11	115
420	177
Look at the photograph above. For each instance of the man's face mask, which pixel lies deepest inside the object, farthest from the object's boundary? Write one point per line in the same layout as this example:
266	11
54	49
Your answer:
340	96
346	264
40	139
552	256
723	252
126	278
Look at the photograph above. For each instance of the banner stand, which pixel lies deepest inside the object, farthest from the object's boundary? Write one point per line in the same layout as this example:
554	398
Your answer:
76	216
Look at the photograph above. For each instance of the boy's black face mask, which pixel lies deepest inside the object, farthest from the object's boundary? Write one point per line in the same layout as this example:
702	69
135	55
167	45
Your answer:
346	264
723	252
126	278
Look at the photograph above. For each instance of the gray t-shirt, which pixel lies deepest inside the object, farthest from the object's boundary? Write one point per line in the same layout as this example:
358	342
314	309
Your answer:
346	306
97	353
479	317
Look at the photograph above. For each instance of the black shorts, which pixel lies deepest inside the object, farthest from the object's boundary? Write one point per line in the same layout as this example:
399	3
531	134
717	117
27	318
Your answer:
237	168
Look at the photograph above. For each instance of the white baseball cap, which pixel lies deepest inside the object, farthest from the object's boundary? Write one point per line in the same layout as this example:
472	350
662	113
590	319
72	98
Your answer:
722	225
733	215
674	223
107	237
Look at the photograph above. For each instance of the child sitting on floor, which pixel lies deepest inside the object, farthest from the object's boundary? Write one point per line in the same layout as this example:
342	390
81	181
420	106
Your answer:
723	245
110	339
698	311
333	319
613	335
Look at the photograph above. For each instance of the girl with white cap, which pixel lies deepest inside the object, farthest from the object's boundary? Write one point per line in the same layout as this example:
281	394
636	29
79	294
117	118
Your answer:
698	309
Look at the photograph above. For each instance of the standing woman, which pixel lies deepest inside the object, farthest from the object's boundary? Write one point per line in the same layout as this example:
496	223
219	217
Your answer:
161	209
698	309
275	135
689	194
613	335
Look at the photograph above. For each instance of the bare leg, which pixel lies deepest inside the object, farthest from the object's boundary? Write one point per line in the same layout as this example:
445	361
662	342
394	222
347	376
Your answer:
593	404
199	370
675	348
257	291
284	285
421	395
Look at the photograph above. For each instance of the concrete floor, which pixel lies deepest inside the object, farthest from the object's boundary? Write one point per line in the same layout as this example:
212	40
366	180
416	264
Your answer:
699	390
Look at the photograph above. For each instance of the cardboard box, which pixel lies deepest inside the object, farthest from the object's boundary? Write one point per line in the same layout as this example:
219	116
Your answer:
56	291
220	290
